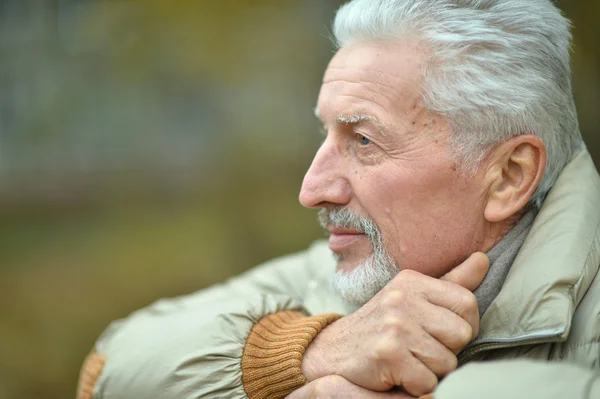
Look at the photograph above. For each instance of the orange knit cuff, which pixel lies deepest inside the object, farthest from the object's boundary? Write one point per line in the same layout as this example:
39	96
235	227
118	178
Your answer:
90	372
272	359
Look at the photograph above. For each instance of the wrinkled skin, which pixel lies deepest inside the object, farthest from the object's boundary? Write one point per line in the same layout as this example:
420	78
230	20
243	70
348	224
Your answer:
386	157
408	335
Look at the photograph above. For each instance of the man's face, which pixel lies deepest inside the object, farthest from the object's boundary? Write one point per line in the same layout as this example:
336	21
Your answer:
386	158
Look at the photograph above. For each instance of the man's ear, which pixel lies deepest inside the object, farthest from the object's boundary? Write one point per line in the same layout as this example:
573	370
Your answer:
514	172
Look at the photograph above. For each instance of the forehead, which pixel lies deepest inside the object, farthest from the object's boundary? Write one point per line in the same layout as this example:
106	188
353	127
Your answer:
381	79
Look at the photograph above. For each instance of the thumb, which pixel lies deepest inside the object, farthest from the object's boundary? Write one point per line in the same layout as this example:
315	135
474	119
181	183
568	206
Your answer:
471	272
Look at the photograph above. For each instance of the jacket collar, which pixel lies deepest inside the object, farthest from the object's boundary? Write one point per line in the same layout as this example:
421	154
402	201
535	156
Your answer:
555	266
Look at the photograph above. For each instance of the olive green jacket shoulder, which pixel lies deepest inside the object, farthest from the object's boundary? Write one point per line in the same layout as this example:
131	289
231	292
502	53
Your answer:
548	310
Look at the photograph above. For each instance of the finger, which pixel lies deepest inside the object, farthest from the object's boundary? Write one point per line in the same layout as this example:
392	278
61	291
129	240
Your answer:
449	329
416	378
452	297
442	293
471	272
433	354
333	387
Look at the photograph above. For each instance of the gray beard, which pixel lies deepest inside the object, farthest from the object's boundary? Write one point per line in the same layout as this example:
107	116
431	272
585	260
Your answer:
362	283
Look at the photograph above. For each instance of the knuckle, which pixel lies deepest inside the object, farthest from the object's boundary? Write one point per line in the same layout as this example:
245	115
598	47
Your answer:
465	333
423	385
391	322
392	298
408	275
396	326
469	301
450	364
383	350
460	337
429	384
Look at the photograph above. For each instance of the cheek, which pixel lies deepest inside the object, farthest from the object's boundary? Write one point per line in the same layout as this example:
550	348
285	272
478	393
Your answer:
393	201
427	220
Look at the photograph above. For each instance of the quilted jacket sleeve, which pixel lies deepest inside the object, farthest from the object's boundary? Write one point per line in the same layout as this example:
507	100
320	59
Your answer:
192	346
520	379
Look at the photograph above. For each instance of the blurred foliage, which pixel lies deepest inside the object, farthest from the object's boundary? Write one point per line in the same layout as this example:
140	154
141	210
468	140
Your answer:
152	148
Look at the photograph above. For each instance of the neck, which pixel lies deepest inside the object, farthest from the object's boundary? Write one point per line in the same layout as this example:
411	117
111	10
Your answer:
495	232
501	258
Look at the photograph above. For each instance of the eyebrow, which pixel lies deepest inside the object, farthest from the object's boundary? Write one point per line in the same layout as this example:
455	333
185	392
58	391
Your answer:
355	118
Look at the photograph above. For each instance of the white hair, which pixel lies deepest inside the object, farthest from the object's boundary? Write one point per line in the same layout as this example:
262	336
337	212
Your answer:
498	69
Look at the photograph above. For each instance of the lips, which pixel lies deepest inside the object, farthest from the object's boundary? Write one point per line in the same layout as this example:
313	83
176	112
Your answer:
343	238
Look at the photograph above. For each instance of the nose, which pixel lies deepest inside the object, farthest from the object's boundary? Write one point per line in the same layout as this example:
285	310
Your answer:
325	184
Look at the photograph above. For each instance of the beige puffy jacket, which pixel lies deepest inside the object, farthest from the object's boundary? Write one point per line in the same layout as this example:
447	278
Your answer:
245	338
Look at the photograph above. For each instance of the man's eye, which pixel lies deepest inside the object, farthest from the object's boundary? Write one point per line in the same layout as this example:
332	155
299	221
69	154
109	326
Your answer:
363	140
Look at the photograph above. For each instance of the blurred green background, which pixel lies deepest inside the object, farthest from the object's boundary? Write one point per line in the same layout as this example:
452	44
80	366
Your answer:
152	148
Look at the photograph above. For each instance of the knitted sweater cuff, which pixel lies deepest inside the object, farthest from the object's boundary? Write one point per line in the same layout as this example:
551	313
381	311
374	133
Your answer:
272	359
90	372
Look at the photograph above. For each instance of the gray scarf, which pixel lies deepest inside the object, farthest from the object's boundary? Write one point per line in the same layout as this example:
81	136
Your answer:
502	257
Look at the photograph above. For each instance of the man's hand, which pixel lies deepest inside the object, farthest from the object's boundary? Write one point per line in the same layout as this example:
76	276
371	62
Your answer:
334	386
408	335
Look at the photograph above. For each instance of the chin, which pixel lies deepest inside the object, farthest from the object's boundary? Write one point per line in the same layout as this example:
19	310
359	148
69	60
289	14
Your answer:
347	261
357	282
345	266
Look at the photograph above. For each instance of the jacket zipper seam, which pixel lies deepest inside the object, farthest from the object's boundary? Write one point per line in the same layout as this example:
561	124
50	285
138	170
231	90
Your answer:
488	345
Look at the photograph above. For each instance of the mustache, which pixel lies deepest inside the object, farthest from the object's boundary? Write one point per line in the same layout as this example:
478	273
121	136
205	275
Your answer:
342	217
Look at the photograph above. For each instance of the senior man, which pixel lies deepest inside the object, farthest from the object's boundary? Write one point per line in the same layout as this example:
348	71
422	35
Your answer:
450	131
